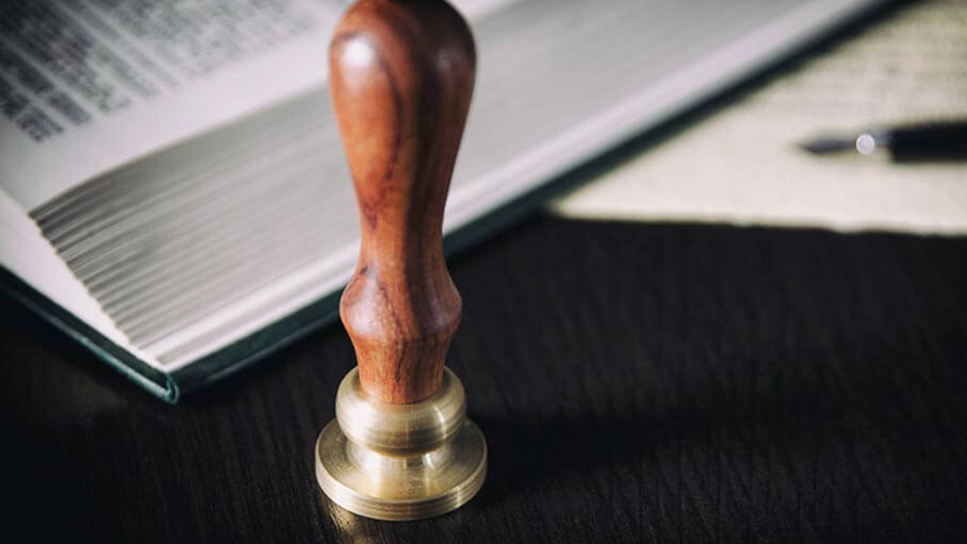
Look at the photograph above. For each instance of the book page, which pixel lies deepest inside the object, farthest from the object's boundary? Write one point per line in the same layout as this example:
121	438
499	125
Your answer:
742	164
27	254
89	85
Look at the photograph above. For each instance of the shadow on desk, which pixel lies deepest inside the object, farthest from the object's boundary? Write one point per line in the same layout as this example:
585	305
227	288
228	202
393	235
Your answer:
635	383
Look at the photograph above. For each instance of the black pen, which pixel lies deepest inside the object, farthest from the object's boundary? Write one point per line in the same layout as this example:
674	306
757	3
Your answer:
940	141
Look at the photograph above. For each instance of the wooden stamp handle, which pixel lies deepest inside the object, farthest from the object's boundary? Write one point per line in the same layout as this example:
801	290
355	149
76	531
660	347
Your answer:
401	78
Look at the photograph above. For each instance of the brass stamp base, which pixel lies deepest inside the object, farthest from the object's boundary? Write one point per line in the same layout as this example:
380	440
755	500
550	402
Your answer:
401	461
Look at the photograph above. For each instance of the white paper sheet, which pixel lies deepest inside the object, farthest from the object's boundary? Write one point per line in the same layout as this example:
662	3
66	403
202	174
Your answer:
742	165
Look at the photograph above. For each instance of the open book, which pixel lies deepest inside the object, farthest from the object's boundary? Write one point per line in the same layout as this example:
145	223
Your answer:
173	191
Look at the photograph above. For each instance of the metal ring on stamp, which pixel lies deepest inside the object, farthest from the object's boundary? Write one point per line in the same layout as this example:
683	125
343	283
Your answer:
401	461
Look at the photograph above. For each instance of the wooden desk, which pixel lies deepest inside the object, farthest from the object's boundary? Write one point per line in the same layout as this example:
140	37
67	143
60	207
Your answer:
635	382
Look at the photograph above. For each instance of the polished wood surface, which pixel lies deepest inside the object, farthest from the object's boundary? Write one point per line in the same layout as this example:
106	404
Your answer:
401	78
636	383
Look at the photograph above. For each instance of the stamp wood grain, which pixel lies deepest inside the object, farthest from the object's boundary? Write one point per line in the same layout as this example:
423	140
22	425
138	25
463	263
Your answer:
401	78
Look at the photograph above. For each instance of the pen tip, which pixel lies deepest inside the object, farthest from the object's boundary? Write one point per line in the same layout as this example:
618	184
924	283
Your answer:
826	145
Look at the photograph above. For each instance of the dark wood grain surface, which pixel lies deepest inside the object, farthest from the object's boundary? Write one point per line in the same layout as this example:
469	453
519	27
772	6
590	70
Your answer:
636	383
